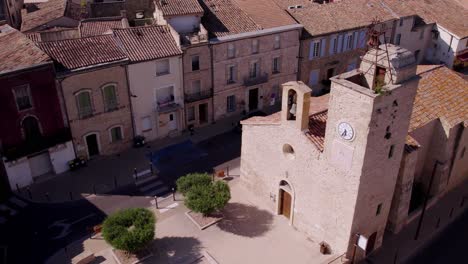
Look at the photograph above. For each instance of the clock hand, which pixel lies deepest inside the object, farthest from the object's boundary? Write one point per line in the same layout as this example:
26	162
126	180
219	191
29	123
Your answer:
344	133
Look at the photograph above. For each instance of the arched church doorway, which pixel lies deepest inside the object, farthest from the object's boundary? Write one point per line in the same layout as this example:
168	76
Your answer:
285	199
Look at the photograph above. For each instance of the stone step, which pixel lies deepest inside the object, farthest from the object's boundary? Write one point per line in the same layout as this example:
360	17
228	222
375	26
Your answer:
150	186
157	192
145	180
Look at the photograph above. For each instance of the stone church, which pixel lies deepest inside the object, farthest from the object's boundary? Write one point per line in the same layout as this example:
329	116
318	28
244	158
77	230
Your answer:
347	163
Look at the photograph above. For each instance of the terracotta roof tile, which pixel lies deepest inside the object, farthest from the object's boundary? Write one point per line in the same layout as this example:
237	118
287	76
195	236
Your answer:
317	127
265	13
73	54
45	13
148	43
99	26
442	94
18	51
179	7
321	19
225	17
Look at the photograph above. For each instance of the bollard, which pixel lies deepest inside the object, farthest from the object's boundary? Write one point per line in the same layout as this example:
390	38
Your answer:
151	168
438	223
156	202
29	193
94	189
71	196
173	194
47	196
135	173
451	213
227	171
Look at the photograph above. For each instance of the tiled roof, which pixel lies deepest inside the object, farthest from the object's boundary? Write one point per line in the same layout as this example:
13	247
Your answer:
317	127
442	94
225	17
47	11
147	43
319	19
73	54
266	13
99	26
17	51
179	7
411	144
447	13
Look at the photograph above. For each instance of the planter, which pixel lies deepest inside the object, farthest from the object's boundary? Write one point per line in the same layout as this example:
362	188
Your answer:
204	222
127	258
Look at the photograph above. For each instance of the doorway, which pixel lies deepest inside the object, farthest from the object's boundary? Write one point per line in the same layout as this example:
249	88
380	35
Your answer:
92	144
330	73
172	121
253	99
285	204
371	243
203	113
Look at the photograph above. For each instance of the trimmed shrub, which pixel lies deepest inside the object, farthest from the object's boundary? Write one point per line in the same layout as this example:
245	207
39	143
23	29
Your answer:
207	199
129	230
185	183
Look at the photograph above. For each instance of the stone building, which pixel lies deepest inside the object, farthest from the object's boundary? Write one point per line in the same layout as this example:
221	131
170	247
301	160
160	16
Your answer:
155	79
91	73
185	17
252	53
34	135
344	163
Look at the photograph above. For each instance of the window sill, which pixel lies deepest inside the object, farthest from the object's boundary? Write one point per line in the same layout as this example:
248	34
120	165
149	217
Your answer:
230	82
162	74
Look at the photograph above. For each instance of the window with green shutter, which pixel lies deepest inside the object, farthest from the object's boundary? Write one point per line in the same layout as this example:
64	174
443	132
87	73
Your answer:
110	97
85	108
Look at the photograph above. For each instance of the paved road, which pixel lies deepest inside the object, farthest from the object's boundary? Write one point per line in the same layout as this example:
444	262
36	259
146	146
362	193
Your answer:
449	247
39	230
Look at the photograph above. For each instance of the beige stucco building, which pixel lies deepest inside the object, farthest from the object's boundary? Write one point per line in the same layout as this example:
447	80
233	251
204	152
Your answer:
93	82
344	164
155	79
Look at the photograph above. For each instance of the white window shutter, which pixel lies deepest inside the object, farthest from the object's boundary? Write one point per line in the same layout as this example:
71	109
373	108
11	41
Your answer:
311	50
340	43
322	47
355	38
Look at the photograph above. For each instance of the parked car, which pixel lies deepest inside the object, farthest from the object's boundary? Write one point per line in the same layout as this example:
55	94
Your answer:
238	127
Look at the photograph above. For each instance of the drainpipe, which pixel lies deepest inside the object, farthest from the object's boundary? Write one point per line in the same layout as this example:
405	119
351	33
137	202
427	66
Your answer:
130	100
299	57
455	150
60	89
212	84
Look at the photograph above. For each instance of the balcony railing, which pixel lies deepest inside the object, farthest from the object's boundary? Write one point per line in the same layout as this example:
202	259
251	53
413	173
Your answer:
167	106
198	36
259	79
193	97
26	148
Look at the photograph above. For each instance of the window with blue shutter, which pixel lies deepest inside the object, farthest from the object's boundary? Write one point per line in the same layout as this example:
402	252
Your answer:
313	77
322	47
311	50
355	37
362	39
340	44
332	48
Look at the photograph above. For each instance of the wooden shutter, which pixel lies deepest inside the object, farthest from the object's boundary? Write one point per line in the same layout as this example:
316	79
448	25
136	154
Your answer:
311	50
322	47
340	44
355	38
362	39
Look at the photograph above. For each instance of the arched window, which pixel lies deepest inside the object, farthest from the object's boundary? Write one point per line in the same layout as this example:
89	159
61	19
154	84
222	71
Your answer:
292	104
109	94
116	134
32	132
83	101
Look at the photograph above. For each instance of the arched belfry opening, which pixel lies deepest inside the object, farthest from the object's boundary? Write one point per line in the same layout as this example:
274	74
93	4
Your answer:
285	201
292	105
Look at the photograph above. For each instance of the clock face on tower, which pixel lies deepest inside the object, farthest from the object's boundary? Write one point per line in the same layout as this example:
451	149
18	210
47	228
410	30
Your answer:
346	131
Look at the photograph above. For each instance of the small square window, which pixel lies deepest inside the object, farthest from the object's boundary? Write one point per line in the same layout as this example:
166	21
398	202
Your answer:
276	65
401	22
255	46
379	209
162	67
116	134
277	44
23	97
231	74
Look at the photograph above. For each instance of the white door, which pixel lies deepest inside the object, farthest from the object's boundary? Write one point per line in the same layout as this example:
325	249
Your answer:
172	121
40	164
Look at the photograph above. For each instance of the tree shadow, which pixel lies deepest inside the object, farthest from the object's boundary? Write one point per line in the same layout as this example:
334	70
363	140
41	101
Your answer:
175	250
245	220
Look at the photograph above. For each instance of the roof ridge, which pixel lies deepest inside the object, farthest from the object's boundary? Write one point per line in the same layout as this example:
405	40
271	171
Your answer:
101	18
80	38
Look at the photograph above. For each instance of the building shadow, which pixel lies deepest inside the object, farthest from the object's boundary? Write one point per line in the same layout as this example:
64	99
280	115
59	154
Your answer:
245	220
176	250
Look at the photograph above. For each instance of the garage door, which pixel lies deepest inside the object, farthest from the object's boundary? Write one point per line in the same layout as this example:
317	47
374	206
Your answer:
40	164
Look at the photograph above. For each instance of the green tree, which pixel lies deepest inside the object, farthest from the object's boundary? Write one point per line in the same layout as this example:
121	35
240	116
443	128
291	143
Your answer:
207	199
185	183
129	230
